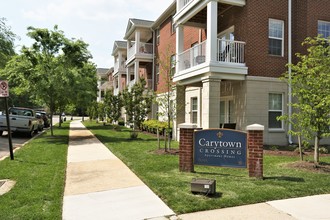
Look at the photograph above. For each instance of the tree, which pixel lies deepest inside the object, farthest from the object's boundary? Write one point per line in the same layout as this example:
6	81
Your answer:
166	101
310	82
113	104
7	38
137	103
53	69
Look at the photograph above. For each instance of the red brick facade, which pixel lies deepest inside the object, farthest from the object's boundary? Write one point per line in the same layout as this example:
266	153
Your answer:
167	47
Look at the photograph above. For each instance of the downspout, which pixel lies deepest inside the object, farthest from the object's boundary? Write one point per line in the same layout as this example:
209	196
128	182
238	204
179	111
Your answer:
153	70
289	68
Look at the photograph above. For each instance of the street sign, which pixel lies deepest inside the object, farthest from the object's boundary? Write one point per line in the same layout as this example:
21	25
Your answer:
4	89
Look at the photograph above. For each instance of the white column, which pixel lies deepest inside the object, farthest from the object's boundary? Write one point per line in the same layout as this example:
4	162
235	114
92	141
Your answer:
179	46
210	103
212	31
137	41
118	81
136	71
128	78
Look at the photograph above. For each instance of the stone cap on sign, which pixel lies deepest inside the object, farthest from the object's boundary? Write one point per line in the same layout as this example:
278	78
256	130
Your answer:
255	127
187	125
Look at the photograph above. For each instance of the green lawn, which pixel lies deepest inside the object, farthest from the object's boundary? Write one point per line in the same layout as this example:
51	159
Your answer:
234	187
39	171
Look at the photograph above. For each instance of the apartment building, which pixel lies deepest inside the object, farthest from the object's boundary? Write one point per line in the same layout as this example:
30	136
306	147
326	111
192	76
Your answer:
103	82
228	56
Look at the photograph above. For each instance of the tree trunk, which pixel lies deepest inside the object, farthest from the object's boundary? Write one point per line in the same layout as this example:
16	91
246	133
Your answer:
300	148
51	123
169	141
316	151
158	138
165	141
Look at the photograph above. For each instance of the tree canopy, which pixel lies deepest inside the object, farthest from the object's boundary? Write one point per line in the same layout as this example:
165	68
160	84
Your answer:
55	71
7	38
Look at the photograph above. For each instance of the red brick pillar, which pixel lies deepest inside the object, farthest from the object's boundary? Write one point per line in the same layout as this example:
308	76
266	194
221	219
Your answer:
255	150
186	148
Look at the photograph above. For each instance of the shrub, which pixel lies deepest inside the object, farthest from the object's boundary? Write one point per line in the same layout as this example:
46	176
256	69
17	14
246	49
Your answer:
121	122
152	125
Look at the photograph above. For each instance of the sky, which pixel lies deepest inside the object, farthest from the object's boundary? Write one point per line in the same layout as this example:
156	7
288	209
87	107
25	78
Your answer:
97	22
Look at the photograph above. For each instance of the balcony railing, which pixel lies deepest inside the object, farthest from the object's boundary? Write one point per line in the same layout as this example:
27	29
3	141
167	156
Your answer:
143	48
119	67
193	56
229	52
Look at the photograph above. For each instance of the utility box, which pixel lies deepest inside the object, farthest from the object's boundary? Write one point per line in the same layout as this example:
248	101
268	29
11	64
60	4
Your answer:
204	186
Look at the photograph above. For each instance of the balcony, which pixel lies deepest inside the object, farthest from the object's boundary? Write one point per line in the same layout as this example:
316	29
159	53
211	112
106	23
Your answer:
142	51
230	60
119	67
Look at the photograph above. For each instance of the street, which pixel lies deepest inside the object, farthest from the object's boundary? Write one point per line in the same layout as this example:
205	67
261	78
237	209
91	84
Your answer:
19	139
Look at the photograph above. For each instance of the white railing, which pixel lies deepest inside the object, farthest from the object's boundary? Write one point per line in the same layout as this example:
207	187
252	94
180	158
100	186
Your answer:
118	67
192	57
231	51
228	52
145	48
131	51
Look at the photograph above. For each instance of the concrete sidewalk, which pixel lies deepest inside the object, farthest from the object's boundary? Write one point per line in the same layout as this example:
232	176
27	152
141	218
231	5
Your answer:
100	186
305	208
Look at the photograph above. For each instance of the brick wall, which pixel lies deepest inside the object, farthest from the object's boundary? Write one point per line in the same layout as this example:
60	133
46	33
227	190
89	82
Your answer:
167	47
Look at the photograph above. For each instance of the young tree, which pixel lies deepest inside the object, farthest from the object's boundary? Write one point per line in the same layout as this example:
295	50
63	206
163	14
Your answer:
137	103
310	82
166	101
113	104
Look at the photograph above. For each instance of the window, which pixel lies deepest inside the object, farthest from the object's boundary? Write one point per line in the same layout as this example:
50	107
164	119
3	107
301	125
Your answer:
323	28
276	36
173	63
275	109
157	36
194	110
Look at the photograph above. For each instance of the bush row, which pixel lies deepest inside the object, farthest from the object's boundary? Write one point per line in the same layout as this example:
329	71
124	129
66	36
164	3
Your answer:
152	125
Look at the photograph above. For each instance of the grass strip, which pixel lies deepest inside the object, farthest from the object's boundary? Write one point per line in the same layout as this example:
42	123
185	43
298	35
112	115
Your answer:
161	173
39	171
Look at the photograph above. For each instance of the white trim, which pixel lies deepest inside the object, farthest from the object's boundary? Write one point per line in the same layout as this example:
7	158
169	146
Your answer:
277	38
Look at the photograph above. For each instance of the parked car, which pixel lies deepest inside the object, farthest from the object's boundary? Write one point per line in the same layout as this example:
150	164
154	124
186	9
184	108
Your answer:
40	121
21	120
45	118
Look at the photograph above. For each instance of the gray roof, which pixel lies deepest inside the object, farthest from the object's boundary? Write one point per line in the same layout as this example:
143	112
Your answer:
101	72
118	45
134	23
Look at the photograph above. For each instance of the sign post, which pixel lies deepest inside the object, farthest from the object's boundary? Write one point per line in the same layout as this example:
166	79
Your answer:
4	93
